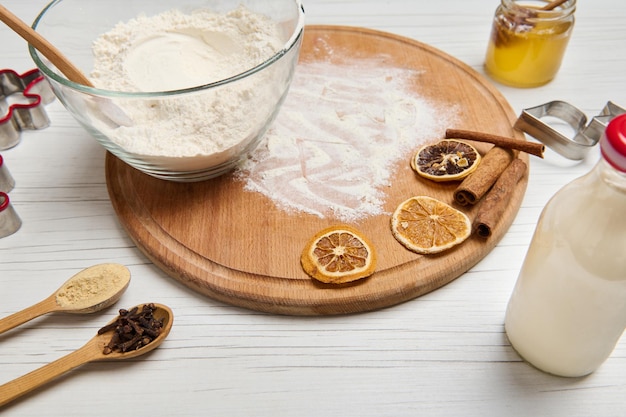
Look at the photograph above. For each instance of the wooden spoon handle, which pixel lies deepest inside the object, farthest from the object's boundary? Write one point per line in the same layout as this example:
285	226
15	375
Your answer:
27	383
46	306
553	5
43	46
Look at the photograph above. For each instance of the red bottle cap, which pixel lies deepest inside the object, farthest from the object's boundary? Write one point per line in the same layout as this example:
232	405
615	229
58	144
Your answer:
613	143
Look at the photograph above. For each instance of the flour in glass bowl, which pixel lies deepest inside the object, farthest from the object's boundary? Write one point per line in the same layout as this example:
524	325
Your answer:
174	50
335	145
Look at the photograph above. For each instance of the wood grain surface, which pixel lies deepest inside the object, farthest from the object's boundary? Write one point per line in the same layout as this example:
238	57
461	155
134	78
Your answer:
238	247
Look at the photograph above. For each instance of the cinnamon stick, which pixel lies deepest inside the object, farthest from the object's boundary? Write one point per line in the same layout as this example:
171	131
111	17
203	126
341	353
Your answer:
533	148
496	200
476	185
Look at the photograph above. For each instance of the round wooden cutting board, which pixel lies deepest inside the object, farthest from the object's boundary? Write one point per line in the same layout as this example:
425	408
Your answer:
236	246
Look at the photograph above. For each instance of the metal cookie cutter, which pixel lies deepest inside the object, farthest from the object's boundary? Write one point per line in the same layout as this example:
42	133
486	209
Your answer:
9	220
6	180
585	136
21	99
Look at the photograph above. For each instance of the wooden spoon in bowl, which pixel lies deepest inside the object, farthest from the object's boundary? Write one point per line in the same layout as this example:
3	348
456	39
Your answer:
92	351
105	110
42	45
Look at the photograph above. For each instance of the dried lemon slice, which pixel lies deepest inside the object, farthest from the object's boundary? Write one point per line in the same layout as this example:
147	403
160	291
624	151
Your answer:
426	225
446	160
337	255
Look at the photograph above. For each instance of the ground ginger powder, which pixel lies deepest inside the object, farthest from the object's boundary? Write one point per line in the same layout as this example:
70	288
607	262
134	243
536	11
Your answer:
92	286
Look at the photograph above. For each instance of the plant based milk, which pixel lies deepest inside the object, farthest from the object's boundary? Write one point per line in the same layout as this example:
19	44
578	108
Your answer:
568	308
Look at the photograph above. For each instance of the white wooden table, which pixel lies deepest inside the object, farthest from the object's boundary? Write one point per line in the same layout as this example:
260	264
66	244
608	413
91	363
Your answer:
443	354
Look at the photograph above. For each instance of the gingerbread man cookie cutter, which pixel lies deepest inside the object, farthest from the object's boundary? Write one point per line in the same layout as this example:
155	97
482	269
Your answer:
10	222
6	179
585	136
22	100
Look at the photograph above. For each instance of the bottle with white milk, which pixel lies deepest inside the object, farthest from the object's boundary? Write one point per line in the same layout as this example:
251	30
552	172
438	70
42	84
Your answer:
568	308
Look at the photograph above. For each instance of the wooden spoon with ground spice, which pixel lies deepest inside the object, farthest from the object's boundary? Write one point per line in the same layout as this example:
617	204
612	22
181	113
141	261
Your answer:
92	289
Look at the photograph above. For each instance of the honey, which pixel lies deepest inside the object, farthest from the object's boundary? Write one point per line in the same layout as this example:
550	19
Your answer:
527	44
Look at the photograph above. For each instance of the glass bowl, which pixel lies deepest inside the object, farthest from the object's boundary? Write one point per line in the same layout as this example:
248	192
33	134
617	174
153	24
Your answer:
180	131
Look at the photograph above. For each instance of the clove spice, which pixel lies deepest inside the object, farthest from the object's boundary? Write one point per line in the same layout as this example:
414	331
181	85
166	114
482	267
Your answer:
133	329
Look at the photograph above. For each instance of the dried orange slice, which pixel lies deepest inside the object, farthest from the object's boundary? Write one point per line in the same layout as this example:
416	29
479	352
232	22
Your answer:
426	225
446	160
337	255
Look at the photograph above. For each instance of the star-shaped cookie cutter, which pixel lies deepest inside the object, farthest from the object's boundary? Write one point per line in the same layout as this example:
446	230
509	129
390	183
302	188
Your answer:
22	97
533	122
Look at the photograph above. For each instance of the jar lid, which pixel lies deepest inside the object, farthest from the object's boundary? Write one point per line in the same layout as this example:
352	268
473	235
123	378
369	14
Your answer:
613	143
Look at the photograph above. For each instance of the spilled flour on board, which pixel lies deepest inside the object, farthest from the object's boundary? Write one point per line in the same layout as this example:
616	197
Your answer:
336	142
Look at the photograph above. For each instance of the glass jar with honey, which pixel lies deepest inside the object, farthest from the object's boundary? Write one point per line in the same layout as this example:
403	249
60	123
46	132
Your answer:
528	42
